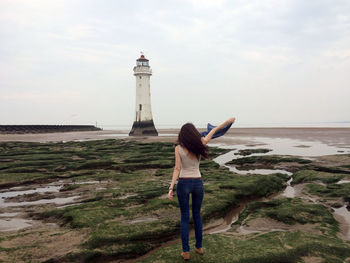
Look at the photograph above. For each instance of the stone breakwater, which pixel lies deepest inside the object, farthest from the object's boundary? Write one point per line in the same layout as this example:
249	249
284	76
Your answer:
21	129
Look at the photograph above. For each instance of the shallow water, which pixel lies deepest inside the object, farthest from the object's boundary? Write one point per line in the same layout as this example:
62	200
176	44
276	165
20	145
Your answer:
8	214
343	182
143	220
57	201
345	213
9	221
53	187
257	171
289	191
278	146
286	146
224	158
127	135
46	189
90	182
126	196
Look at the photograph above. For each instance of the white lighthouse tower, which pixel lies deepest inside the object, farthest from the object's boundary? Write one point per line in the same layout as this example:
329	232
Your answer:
143	124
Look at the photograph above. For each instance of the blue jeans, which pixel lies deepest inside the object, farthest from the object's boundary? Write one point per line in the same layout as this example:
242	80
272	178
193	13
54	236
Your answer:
184	188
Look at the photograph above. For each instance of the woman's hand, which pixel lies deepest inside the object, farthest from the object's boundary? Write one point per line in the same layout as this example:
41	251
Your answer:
170	195
231	120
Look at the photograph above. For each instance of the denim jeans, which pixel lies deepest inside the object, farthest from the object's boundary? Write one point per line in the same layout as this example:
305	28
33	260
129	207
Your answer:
184	188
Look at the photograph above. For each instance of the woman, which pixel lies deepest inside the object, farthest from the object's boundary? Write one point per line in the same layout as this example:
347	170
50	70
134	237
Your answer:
191	146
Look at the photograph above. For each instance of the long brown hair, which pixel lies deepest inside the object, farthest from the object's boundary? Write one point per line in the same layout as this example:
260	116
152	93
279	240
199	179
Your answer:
190	138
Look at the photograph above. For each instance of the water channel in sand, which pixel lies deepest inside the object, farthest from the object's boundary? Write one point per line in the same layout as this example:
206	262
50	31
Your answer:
280	146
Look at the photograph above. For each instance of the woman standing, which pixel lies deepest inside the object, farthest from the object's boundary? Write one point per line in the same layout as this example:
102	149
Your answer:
191	146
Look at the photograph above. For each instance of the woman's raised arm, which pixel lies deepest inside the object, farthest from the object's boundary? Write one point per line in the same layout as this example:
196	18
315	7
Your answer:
207	138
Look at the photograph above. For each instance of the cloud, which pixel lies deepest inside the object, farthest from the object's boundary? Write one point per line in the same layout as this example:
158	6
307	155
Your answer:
207	3
249	51
50	98
75	32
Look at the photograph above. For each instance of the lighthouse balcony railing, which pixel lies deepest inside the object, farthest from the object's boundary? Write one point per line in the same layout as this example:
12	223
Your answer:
142	70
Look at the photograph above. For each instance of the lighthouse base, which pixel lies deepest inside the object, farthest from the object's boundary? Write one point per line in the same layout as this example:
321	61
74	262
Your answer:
143	128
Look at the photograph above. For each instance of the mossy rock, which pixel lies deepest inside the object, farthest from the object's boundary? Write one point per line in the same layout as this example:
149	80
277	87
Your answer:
304	176
246	152
292	211
330	190
274	247
268	160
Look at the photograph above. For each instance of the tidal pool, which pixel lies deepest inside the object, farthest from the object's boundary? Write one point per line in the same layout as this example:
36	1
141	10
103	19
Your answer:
278	146
53	187
10	193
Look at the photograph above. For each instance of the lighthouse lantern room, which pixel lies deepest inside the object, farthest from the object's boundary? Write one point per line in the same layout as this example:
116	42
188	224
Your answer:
143	123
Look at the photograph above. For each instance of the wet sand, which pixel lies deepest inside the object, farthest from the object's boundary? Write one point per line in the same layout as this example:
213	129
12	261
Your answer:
332	136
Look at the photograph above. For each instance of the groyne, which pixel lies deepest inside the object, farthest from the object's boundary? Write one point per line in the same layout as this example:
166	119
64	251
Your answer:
21	129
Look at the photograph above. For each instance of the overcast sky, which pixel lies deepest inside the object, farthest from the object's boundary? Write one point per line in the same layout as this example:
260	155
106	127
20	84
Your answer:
267	62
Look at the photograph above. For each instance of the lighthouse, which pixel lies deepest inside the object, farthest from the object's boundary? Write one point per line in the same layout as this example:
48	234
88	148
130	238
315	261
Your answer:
143	123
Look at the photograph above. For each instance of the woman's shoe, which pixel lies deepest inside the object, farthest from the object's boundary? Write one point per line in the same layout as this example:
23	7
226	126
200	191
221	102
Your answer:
199	251
185	255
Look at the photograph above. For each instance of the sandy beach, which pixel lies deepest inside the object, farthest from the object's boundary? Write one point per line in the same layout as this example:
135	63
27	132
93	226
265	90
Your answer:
332	136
